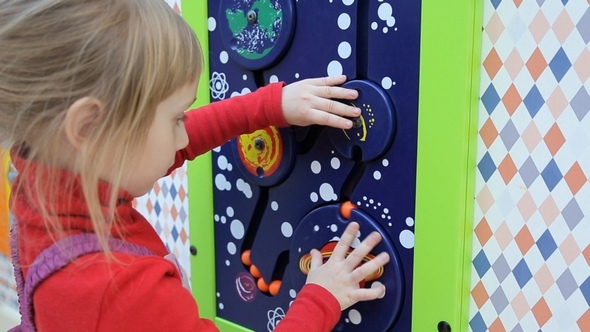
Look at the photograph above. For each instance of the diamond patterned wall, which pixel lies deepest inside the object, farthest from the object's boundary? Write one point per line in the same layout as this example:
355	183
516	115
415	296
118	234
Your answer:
531	253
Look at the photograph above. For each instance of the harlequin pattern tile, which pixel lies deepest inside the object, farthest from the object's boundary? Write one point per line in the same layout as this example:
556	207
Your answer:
530	265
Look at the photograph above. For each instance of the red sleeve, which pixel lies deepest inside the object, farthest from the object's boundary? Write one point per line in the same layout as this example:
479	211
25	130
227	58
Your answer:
213	125
314	310
145	294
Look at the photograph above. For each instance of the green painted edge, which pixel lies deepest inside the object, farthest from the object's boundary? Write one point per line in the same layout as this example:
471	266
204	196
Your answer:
200	186
447	132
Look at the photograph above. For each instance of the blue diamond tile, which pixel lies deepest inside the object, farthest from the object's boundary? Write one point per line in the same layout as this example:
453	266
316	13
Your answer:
477	324
567	284
509	135
572	213
501	268
581	103
496	3
158	227
522	274
157	208
560	64
528	172
182	214
564	1
499	300
486	166
174	233
481	263
583	26
533	101
164	189
173	191
546	245
551	175
540	2
585	288
490	99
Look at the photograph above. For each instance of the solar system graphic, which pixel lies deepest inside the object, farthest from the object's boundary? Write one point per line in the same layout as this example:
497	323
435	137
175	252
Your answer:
279	192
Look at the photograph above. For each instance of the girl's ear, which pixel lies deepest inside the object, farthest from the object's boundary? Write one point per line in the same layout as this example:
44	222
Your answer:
81	117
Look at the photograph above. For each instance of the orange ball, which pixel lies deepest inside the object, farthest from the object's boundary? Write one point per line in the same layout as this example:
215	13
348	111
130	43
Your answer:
254	271
346	208
246	257
274	287
262	285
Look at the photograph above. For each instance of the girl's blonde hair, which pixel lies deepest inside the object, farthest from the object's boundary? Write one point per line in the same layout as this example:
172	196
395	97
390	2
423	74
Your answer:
129	54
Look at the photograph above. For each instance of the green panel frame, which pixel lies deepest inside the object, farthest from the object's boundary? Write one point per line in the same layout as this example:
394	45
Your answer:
447	132
449	88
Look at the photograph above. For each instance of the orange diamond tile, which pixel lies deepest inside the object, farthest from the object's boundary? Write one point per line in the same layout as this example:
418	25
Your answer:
507	169
524	240
183	235
182	193
483	232
479	294
497	326
517	3
549	210
575	178
536	64
488	132
586	254
492	63
584	321
174	212
557	102
541	312
511	99
554	139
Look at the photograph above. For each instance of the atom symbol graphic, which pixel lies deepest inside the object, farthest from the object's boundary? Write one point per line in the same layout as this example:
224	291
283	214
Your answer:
274	317
218	85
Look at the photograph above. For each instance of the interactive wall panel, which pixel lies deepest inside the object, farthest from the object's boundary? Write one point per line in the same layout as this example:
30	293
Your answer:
279	192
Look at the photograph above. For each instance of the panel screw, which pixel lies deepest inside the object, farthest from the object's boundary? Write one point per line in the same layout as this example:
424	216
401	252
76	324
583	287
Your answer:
443	326
252	17
259	144
193	250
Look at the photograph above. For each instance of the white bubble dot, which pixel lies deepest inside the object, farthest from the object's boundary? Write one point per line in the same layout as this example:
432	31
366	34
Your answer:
344	50
378	284
385	210
344	21
216	217
391	21
223	57
371	201
222	162
385	162
313	197
287	229
223	220
409	221
292	293
218	295
377	175
327	192
245	77
237	229
385	29
406	238
296	75
383	216
355	316
316	167
229	167
334	68
231	248
274	205
227	262
211	24
273	79
335	163
221	306
374	25
386	82
316	228
365	198
229	211
385	10
334	228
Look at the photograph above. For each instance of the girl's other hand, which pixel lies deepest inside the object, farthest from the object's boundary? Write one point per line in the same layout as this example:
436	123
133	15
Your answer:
341	274
311	101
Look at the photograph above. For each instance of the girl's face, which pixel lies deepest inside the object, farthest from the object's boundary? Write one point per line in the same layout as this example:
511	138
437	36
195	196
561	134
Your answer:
167	135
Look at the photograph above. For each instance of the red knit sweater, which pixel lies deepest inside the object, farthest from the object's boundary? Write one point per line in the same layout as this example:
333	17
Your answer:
145	293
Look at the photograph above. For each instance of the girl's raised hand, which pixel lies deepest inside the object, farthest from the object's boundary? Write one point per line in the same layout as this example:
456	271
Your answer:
311	101
341	274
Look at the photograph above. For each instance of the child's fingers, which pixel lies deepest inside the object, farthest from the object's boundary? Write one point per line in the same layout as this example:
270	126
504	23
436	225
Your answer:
345	241
357	255
367	294
370	267
327	80
316	259
327	119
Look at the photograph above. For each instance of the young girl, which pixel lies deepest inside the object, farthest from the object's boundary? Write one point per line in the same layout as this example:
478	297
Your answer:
93	96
